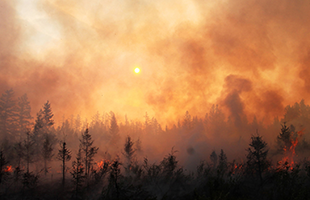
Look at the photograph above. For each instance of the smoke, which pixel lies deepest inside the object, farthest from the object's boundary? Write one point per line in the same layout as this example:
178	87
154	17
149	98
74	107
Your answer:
250	57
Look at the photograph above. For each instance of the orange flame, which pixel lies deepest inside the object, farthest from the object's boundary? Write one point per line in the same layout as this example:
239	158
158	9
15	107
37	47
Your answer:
8	169
290	154
100	164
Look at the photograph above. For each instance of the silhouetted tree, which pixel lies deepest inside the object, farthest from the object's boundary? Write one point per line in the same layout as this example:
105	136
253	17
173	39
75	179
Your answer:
129	152
77	173
8	114
128	148
19	152
113	124
38	133
88	149
48	115
213	158
169	164
138	145
187	122
222	166
284	138
115	175
3	163
47	152
113	129
29	179
64	155
257	161
29	150
156	128
23	114
42	129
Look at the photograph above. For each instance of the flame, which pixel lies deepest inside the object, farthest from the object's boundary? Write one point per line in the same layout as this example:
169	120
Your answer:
8	169
237	168
100	164
288	160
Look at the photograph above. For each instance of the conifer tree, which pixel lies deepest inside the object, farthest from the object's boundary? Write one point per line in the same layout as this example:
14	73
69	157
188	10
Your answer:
222	166
213	158
42	128
169	164
86	144
23	114
187	123
77	173
39	134
47	152
284	138
3	163
64	155
257	161
48	115
19	152
8	114
138	146
29	150
128	148
129	152
114	129
156	128
115	174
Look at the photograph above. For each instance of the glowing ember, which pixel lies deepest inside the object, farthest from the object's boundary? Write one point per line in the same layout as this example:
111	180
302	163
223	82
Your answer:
100	164
8	169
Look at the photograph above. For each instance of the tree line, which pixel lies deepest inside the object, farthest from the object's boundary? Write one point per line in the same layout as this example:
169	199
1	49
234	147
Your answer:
28	148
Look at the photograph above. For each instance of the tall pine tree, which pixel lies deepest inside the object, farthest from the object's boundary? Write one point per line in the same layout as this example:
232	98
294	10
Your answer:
29	150
257	161
129	152
23	115
86	144
114	129
43	128
48	115
64	155
222	166
8	114
47	152
77	173
284	139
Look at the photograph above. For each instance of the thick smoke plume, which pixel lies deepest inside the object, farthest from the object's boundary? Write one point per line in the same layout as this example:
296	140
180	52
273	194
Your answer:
250	57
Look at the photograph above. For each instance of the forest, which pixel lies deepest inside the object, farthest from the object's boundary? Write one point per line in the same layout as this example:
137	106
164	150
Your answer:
106	157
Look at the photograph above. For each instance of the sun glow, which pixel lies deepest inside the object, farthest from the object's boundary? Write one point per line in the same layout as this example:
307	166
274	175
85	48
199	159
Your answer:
137	70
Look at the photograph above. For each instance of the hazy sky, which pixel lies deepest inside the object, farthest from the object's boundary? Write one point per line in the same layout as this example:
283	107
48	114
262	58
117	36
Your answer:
250	57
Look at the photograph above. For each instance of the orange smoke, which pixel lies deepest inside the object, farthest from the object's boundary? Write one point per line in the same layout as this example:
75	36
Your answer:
80	56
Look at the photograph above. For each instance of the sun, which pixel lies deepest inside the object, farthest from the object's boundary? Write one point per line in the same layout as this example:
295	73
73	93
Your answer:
137	70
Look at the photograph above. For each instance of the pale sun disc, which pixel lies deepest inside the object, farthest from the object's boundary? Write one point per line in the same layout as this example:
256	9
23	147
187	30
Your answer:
137	70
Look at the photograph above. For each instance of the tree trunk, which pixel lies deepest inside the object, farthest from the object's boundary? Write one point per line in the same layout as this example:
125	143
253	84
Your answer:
63	169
